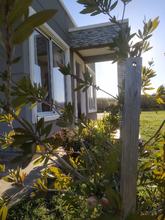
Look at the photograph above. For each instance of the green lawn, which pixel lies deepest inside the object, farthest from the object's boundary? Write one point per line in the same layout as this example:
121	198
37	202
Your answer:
150	122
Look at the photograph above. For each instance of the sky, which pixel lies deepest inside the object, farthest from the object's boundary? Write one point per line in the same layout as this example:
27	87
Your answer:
137	10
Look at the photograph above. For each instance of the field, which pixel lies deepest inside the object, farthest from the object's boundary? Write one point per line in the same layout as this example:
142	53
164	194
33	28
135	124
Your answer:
150	122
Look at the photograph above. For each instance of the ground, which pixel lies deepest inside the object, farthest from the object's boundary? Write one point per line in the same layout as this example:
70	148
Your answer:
150	122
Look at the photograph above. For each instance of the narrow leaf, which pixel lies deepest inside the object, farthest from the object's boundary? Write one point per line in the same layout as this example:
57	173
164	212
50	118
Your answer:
19	9
4	212
26	28
113	5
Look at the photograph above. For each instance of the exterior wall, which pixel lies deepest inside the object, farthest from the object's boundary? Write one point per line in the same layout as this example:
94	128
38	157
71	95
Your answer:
61	21
19	70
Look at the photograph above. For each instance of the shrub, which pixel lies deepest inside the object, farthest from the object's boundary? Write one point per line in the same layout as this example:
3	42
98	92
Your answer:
149	103
104	103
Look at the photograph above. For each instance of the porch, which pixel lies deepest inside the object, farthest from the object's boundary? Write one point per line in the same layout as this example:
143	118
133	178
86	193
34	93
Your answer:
93	42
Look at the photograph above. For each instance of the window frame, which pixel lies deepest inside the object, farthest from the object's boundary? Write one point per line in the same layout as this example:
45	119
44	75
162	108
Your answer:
53	37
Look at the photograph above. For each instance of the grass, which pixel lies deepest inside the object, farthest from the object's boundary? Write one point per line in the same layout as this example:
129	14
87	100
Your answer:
150	122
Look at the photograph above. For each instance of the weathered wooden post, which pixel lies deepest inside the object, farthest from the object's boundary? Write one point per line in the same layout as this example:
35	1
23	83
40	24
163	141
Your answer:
129	83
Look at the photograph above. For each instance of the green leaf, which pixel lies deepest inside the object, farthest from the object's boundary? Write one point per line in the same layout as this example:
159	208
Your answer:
39	160
155	23
65	69
79	87
2	168
40	124
114	5
16	60
89	9
140	34
95	13
26	28
3	212
19	9
28	124
47	130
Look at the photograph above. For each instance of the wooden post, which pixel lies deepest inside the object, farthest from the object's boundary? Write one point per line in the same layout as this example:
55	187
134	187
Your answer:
130	134
121	69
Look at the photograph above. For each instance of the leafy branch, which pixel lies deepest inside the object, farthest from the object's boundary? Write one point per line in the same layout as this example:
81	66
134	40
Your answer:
147	74
124	44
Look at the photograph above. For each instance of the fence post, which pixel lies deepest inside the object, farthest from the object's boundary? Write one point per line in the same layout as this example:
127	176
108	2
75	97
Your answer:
130	133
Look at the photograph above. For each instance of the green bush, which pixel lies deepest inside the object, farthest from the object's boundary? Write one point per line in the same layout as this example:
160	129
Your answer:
104	103
149	103
96	155
151	179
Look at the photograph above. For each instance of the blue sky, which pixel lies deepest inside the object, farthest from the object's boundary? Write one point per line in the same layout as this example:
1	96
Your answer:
106	74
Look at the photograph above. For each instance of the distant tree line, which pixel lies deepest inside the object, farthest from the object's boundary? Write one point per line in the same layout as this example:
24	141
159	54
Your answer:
148	103
103	104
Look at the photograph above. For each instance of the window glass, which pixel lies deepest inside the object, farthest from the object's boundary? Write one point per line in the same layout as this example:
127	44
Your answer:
42	67
58	77
78	93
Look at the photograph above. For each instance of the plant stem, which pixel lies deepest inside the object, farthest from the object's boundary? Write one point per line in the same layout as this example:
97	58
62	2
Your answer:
124	8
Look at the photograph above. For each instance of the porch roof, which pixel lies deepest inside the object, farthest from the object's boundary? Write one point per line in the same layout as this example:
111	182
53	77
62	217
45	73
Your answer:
92	42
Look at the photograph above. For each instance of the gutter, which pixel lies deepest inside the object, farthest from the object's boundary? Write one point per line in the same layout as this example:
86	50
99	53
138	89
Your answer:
68	12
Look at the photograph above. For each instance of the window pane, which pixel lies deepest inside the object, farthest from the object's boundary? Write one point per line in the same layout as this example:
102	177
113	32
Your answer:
42	69
59	80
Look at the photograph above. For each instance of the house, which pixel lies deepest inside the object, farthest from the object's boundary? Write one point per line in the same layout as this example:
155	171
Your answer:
61	41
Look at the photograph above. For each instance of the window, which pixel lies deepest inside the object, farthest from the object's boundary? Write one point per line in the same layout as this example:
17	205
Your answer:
47	57
59	80
42	67
91	94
